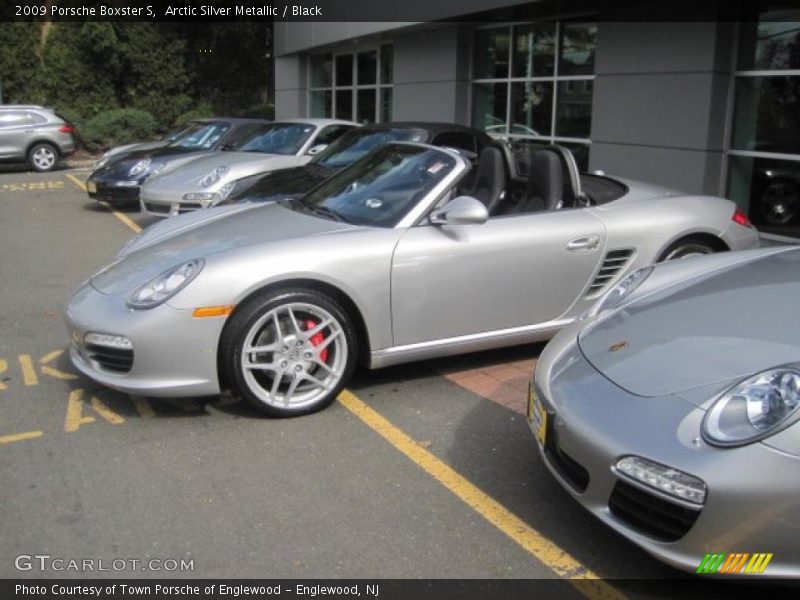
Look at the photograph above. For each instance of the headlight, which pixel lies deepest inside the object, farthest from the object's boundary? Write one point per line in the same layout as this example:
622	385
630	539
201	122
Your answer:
213	177
224	192
155	169
755	408
615	296
139	168
162	288
238	188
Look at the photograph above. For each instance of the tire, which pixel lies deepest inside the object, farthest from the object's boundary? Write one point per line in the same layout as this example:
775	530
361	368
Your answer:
779	204
295	373
686	248
43	157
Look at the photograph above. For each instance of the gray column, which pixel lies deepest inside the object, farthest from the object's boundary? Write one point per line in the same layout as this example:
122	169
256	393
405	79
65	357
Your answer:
660	102
290	86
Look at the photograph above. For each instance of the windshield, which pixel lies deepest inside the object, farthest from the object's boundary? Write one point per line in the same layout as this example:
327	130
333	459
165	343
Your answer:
200	135
279	138
355	144
381	188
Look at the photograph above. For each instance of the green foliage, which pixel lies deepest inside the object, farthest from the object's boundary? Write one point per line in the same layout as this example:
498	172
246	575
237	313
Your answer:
19	63
117	127
259	111
173	71
202	111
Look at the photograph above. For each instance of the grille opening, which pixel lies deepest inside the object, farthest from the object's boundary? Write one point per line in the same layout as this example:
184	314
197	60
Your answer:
650	514
157	208
117	360
614	263
570	470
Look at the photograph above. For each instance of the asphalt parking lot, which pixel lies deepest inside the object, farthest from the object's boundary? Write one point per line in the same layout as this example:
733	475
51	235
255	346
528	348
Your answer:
427	470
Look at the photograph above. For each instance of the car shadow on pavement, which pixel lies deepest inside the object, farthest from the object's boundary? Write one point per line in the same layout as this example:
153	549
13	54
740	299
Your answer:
127	208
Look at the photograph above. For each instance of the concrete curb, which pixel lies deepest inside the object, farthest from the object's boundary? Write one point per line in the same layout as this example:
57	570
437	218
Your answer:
78	164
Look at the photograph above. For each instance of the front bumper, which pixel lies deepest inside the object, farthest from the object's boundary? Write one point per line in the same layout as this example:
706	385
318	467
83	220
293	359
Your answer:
161	203
109	190
751	504
173	354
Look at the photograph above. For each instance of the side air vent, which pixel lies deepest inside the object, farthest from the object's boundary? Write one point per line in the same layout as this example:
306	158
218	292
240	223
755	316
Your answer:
613	264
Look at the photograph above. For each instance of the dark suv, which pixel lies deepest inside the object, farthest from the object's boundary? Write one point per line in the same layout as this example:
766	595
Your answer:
34	134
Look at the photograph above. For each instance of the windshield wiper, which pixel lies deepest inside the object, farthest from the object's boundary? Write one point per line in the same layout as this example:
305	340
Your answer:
324	211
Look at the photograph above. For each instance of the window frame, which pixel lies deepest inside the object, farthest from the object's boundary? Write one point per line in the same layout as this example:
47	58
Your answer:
737	74
553	79
354	87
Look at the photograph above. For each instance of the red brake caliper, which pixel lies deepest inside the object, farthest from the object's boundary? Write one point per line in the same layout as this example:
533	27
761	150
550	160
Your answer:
317	339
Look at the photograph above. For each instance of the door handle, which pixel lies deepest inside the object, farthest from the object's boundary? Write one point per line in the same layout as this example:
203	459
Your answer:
586	243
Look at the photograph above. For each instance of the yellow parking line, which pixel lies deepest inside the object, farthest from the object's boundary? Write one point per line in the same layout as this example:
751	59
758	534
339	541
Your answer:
121	216
544	550
19	437
28	372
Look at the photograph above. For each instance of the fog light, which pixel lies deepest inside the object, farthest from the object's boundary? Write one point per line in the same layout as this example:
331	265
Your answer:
664	479
126	183
108	340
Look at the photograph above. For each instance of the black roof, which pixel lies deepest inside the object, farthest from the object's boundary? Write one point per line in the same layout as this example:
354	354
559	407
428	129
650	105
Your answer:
432	127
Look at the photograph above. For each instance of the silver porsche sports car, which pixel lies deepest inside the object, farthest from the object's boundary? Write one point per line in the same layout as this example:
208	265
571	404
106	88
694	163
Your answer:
208	180
670	411
409	253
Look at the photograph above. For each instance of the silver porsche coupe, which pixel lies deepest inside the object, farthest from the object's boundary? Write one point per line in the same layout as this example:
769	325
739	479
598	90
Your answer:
210	178
670	411
411	252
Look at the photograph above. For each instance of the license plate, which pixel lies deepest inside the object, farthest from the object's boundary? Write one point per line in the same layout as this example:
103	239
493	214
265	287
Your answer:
537	415
91	187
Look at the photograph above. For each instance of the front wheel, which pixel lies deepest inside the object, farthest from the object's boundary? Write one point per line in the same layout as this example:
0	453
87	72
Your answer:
687	248
43	157
290	352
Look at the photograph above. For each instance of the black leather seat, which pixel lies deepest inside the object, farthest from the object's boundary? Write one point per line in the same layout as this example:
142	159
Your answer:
490	178
545	189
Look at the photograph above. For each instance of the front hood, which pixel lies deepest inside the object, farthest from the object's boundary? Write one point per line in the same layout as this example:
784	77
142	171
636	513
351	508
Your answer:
120	150
119	167
293	181
198	236
710	330
239	165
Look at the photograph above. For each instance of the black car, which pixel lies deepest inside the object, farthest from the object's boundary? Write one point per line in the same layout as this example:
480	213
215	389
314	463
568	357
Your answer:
119	178
296	181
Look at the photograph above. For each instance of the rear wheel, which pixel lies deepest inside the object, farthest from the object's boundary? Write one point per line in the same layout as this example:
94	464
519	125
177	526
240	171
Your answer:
688	247
289	352
43	157
780	202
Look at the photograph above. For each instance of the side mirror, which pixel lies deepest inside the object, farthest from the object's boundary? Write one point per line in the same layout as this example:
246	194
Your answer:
316	149
463	210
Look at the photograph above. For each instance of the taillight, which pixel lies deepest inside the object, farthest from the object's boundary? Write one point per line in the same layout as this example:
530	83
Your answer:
66	129
741	219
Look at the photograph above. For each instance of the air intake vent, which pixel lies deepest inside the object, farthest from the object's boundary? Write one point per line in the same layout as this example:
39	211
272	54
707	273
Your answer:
117	360
653	516
613	264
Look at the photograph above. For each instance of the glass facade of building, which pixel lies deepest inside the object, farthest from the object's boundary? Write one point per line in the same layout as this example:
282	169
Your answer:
533	83
764	146
356	86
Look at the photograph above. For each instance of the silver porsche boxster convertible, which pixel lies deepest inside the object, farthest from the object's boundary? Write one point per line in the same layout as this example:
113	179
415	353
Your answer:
411	252
670	411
